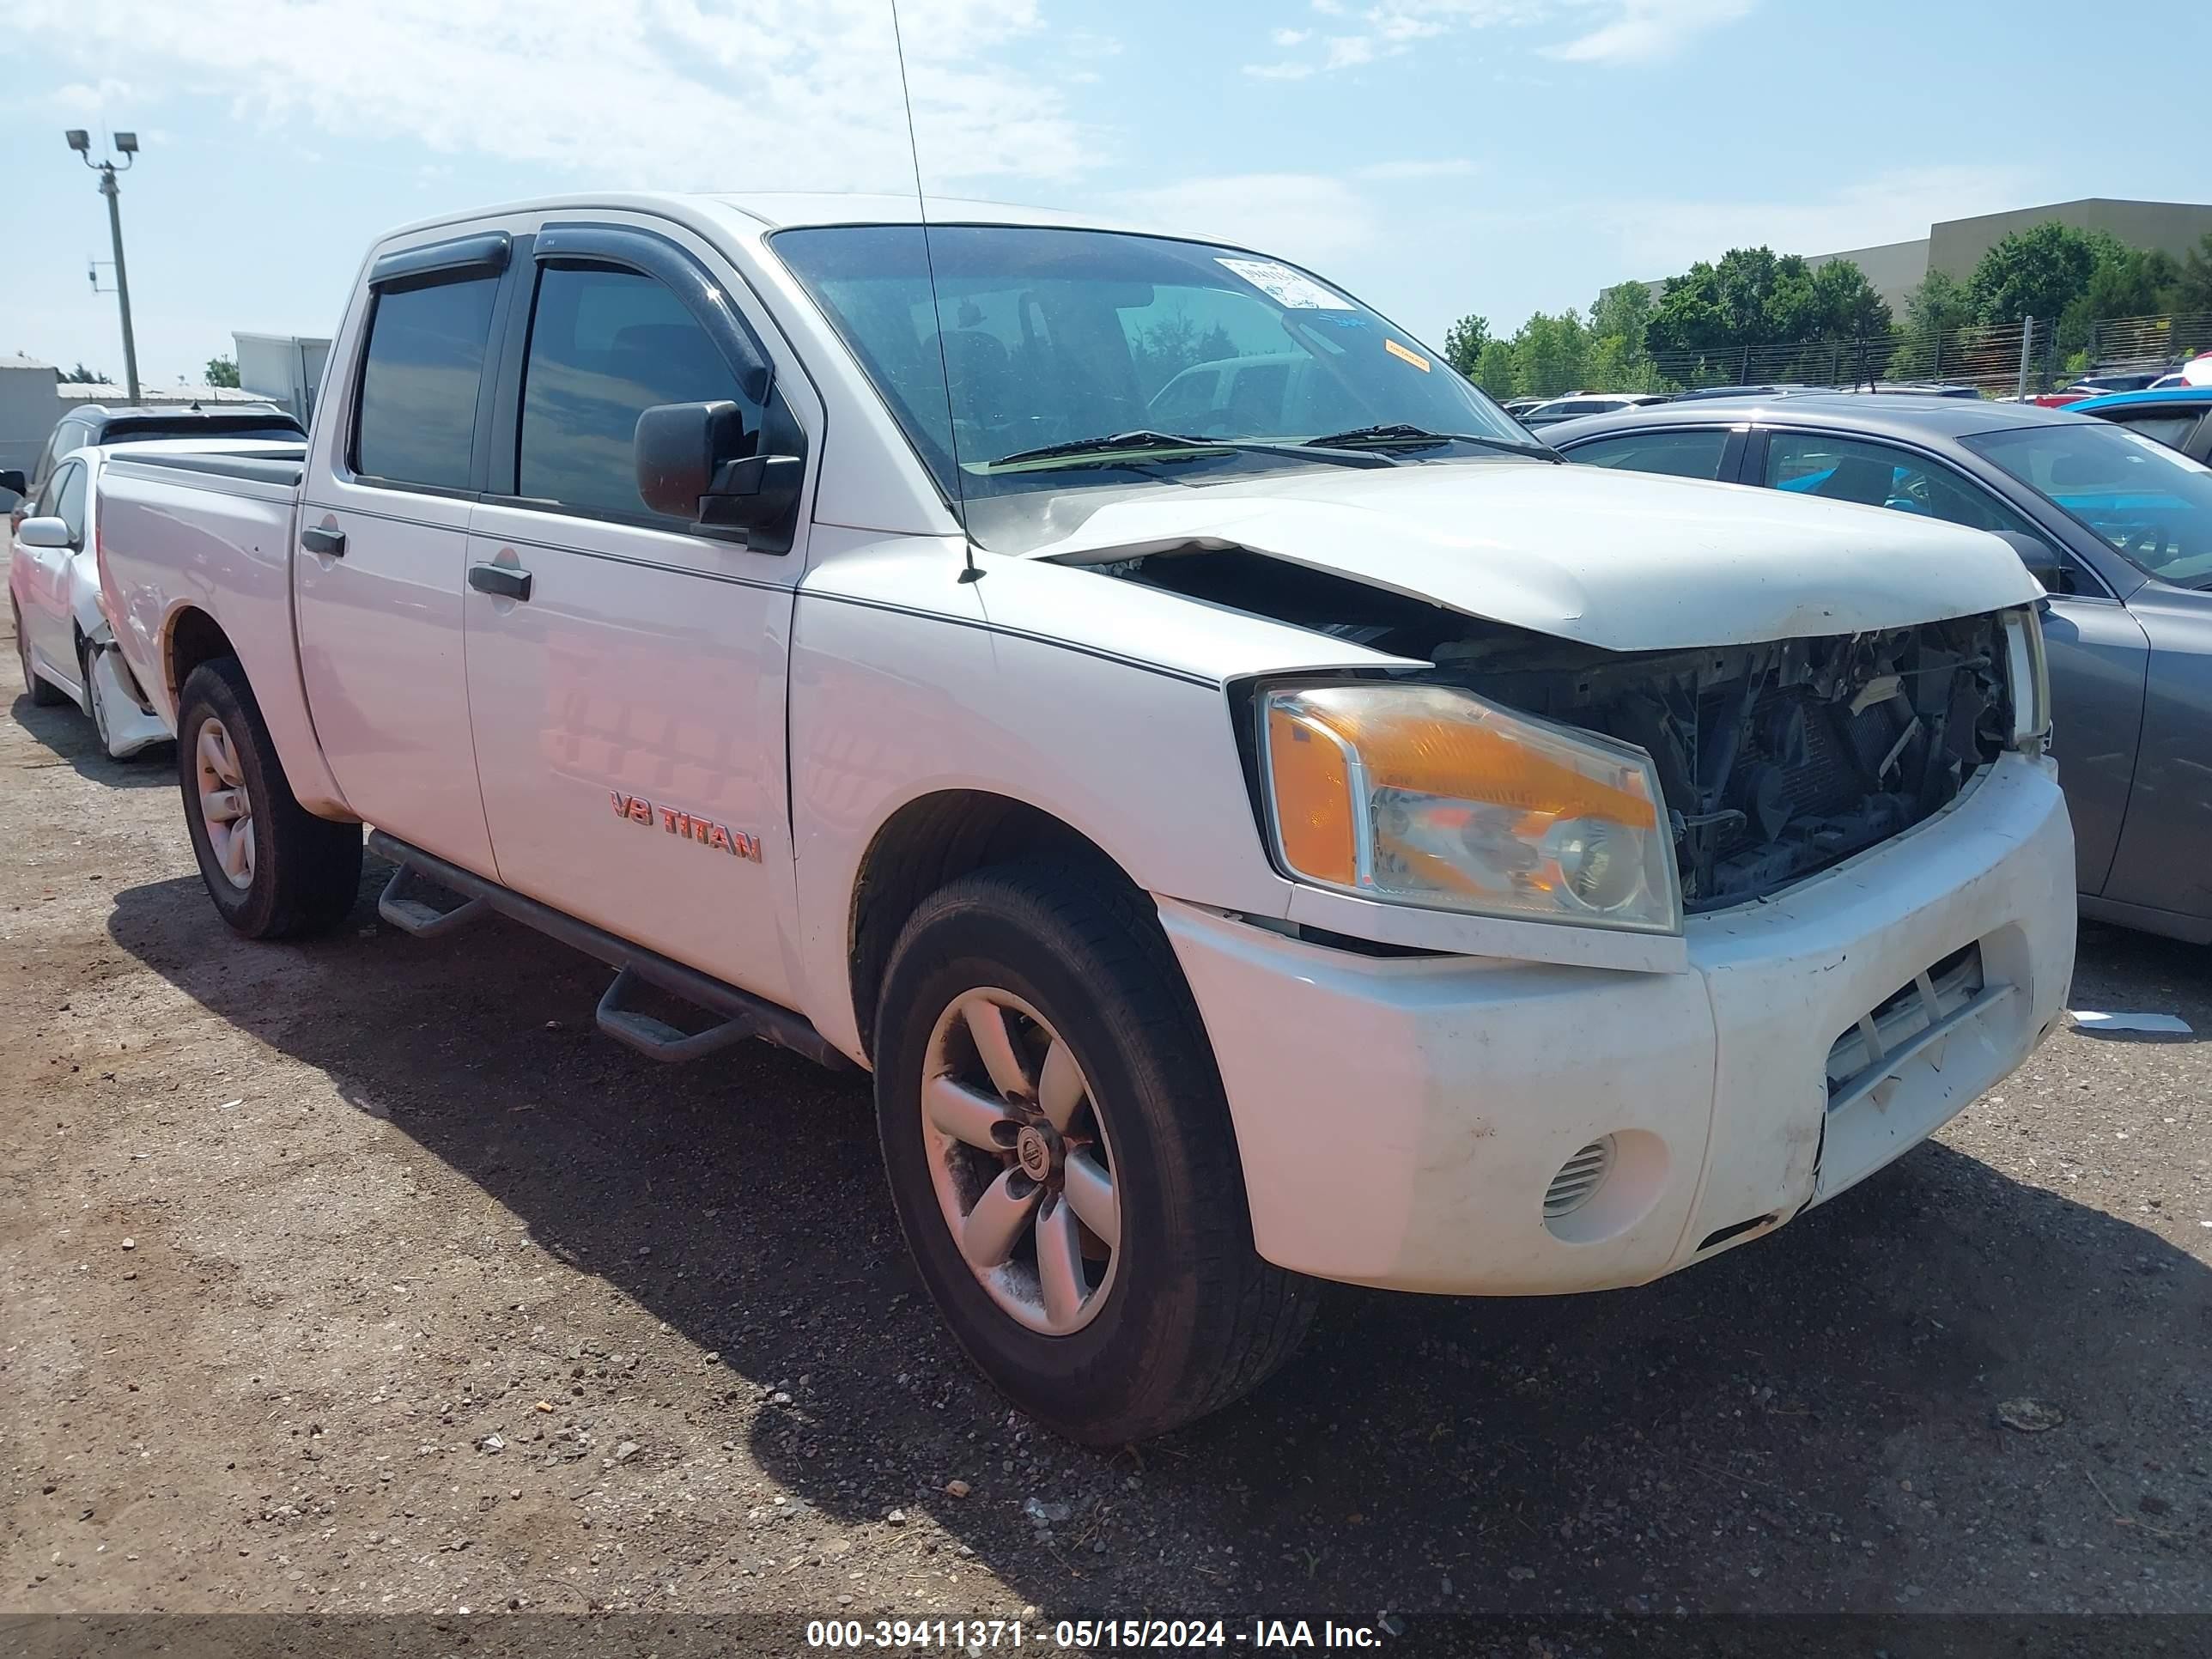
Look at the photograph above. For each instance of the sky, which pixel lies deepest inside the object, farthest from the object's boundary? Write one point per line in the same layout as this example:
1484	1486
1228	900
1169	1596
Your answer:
1435	157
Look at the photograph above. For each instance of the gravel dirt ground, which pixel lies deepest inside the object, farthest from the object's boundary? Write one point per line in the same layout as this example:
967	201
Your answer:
361	1277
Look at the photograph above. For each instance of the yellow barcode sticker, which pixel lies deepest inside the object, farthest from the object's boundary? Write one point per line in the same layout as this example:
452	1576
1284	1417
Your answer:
1405	354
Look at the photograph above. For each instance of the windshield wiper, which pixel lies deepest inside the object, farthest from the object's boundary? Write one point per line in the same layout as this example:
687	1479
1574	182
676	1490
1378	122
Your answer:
1398	433
1183	446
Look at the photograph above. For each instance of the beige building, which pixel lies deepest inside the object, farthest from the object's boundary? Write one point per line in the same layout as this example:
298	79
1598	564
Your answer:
1956	246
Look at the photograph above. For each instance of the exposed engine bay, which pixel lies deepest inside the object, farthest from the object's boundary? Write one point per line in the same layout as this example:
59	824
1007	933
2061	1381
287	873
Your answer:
1775	760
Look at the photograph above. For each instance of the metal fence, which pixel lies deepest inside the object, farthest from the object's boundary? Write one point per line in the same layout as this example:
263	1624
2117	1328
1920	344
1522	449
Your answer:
2008	360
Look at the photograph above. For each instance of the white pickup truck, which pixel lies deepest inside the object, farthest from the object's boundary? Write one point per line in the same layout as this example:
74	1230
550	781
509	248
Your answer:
1257	825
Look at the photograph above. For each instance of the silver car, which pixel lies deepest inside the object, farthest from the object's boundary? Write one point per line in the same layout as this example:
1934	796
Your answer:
2118	527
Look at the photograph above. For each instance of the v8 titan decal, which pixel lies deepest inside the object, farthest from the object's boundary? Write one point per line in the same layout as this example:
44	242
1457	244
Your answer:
718	836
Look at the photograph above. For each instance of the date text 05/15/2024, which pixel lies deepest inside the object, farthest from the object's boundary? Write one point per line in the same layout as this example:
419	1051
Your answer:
1091	1635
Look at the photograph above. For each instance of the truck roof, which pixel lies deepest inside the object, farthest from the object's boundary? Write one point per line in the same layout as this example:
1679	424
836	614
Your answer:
785	210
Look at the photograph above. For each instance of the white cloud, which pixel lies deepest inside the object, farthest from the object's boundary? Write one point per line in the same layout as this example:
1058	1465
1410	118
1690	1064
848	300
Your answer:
673	93
1394	172
1630	29
1306	216
1648	28
1659	238
82	98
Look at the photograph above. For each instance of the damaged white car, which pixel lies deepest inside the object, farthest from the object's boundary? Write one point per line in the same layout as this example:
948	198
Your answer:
1256	814
64	644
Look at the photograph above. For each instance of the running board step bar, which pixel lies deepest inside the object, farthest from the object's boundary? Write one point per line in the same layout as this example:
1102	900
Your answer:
419	920
656	1039
743	1015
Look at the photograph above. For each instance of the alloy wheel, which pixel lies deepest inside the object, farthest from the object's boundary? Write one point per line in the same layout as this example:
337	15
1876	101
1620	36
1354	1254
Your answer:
1018	1154
225	808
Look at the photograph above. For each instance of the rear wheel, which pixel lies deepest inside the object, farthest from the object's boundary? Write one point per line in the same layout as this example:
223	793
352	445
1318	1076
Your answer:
1061	1158
273	868
44	695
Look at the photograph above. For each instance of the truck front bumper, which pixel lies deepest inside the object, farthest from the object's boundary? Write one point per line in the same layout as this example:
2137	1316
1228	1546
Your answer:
1476	1125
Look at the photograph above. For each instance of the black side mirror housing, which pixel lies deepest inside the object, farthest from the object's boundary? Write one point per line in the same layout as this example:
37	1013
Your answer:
13	479
2044	562
697	462
679	447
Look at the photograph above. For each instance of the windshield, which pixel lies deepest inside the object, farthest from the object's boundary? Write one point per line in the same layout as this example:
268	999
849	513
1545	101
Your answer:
1052	337
2152	504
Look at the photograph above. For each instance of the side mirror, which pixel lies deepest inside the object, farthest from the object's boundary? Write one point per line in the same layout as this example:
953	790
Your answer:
13	479
47	531
2043	561
696	461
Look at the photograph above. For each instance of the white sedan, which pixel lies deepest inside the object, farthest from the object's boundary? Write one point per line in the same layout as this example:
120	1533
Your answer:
63	640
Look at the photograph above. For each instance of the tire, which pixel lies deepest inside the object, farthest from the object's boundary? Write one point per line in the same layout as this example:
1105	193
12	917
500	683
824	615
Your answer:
1182	1316
95	705
302	873
43	694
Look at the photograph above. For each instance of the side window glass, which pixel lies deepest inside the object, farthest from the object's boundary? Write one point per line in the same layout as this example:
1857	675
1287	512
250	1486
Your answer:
71	505
419	377
1677	454
1878	475
1187	397
2172	431
605	346
48	504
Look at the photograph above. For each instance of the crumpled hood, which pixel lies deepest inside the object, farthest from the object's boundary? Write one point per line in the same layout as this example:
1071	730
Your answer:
1623	561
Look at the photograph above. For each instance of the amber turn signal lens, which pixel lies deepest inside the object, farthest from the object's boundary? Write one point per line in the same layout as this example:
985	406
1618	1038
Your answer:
1312	778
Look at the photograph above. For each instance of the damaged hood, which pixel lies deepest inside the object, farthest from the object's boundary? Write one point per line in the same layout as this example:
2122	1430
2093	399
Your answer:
1622	561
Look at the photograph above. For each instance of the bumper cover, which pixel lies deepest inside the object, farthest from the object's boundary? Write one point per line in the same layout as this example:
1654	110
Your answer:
1400	1120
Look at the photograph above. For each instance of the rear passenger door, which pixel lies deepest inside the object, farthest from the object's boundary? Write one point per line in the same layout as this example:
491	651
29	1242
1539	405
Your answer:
380	571
627	671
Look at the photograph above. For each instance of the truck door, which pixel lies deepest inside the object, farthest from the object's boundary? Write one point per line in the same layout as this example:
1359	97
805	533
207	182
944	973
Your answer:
383	550
627	671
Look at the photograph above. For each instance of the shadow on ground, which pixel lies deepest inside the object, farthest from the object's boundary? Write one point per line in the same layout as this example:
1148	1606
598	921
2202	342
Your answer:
1812	1423
66	731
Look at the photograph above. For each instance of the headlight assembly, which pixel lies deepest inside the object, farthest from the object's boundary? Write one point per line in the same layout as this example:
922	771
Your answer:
1432	797
2027	678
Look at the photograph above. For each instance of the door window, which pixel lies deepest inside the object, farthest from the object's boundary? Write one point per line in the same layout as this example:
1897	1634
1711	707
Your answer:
1880	475
419	379
2164	426
606	345
70	505
1677	454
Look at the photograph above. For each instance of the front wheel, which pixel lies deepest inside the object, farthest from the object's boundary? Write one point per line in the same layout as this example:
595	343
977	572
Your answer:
1062	1162
273	868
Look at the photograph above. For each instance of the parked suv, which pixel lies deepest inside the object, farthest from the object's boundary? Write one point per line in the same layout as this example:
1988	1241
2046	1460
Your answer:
99	424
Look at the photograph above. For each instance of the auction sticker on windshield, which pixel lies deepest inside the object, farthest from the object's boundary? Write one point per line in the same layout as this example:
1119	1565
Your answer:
1286	287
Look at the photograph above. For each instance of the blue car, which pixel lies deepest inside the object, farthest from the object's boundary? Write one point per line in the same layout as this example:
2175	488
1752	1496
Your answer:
2180	417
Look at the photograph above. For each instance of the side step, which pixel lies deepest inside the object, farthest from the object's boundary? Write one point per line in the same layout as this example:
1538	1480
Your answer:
743	1014
656	1039
418	919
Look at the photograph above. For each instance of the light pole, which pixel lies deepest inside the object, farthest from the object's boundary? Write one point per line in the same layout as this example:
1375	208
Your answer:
126	145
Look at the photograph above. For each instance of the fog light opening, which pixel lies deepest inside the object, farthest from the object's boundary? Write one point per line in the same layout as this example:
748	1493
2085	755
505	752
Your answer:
1579	1179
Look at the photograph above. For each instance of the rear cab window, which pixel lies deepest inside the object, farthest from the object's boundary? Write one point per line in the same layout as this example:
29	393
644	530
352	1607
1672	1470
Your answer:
415	415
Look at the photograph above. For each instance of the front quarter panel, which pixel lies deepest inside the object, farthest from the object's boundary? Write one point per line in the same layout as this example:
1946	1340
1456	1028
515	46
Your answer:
2159	863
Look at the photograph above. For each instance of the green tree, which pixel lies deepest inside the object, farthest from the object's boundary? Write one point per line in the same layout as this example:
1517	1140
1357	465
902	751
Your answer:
1493	369
2134	282
2037	272
1464	341
1690	316
222	371
2194	290
83	376
1549	353
1848	306
1618	319
1938	305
